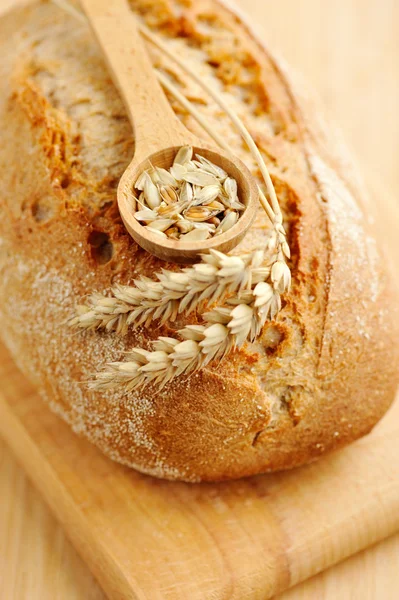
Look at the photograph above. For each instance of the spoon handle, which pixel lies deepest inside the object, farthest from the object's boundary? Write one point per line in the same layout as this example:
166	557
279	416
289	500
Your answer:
115	27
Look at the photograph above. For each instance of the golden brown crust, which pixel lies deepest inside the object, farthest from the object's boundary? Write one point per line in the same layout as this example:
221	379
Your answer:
318	378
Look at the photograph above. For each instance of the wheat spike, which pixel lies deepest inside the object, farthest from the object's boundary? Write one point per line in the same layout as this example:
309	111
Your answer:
210	281
224	329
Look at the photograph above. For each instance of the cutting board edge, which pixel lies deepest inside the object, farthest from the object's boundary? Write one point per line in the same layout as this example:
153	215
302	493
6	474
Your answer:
61	506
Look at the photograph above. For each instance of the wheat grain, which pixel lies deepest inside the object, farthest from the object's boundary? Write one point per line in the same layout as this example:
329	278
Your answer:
196	235
190	187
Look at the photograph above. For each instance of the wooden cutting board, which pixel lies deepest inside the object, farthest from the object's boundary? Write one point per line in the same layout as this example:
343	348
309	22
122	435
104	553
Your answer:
145	538
149	539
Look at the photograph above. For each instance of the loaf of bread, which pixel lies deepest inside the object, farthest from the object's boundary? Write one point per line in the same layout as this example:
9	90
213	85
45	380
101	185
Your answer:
319	376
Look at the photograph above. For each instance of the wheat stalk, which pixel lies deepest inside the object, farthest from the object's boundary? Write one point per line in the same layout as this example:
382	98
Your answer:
237	122
226	328
195	113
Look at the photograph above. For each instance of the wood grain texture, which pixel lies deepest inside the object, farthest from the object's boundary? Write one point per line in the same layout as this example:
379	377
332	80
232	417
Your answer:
146	538
116	31
37	562
348	51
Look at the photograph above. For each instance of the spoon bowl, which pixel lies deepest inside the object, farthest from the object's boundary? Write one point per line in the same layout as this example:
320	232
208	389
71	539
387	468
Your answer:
178	250
158	132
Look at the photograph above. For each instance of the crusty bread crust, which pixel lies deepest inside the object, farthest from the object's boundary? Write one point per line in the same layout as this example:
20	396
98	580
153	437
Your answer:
318	378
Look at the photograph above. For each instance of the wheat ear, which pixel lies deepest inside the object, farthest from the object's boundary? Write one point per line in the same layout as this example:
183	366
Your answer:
213	280
225	329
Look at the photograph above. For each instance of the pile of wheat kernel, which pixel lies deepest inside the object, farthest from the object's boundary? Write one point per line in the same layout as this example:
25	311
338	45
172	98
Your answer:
192	201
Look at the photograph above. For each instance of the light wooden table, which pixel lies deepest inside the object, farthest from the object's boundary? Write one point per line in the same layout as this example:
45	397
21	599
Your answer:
356	73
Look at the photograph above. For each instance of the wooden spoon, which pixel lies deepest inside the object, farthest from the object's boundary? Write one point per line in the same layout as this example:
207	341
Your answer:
158	132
